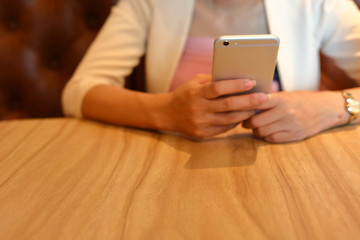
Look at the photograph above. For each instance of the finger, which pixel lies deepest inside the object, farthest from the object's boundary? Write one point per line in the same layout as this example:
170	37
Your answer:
238	103
224	87
273	100
270	129
283	126
280	137
264	118
216	130
227	118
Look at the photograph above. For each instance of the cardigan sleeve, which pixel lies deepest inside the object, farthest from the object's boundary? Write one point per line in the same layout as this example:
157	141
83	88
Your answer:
112	56
339	31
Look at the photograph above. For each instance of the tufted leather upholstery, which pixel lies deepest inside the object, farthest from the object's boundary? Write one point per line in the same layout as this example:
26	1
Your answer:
41	43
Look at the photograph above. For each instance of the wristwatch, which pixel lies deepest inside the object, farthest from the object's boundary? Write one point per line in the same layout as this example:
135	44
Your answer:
352	106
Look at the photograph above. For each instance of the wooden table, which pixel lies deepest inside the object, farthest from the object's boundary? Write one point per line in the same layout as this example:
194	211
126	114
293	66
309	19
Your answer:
72	179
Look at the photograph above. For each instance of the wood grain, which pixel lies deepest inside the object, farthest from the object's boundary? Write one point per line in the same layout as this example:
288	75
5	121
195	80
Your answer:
72	179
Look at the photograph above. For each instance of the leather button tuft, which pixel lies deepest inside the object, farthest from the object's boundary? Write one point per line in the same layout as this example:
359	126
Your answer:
12	25
55	64
93	22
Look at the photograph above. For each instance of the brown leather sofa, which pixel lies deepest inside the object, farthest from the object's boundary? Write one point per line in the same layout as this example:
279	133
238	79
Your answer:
41	43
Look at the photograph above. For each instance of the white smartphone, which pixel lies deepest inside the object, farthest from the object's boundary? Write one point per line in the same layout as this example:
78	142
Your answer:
246	56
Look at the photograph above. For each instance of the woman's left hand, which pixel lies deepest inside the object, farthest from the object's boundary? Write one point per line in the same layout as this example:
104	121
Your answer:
293	116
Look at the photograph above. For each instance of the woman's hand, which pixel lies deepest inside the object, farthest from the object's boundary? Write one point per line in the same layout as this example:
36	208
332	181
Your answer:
196	108
292	116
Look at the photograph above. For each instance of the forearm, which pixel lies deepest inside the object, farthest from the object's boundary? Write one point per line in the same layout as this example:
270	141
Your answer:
126	107
193	109
330	106
327	108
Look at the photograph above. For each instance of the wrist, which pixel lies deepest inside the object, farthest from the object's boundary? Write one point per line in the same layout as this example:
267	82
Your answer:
160	113
340	108
335	113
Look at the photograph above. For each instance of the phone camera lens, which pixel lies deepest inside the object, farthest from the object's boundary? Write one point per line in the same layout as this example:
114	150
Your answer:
226	43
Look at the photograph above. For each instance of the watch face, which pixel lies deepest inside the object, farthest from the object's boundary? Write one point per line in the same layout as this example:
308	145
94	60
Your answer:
353	106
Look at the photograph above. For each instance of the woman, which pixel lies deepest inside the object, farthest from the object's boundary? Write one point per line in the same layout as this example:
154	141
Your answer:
180	95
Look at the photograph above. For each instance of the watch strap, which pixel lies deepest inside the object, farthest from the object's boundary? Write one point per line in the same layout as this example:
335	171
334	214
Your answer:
349	101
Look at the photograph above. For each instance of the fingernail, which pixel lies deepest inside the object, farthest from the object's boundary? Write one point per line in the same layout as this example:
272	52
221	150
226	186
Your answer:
264	97
250	83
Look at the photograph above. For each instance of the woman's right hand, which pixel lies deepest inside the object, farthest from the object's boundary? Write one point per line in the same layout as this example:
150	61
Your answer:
196	108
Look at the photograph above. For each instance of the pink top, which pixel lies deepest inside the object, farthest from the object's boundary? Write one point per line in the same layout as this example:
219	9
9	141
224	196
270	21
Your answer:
196	59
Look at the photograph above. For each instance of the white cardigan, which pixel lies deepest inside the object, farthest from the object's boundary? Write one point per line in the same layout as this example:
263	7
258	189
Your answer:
160	28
